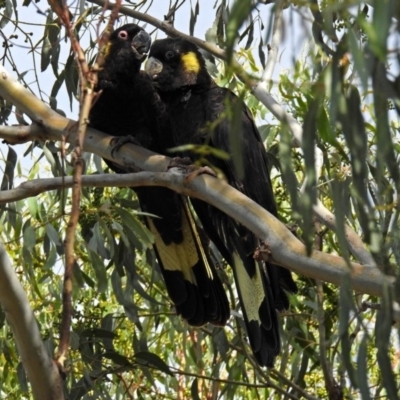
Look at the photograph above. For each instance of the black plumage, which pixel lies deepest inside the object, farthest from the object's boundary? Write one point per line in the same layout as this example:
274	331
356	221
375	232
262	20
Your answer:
129	108
198	111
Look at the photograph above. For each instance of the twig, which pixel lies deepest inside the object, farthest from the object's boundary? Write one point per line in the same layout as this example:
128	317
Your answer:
88	80
365	305
330	382
354	243
63	13
126	385
278	375
228	381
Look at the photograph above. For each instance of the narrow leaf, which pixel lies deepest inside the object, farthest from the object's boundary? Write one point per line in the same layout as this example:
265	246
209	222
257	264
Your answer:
153	360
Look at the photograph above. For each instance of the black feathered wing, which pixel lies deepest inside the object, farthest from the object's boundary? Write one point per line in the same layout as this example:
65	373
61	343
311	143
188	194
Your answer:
191	279
130	107
203	118
254	181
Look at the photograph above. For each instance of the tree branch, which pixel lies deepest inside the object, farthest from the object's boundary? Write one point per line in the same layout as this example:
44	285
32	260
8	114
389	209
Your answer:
320	266
49	125
276	40
43	374
284	248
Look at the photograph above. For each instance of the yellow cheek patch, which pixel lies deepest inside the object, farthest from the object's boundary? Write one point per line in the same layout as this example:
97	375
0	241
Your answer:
190	62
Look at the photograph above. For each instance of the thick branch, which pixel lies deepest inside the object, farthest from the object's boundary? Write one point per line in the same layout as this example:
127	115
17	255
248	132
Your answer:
321	266
285	249
95	142
42	372
355	244
49	125
56	125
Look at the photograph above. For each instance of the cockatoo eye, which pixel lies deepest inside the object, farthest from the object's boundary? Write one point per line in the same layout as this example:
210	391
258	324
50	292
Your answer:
123	35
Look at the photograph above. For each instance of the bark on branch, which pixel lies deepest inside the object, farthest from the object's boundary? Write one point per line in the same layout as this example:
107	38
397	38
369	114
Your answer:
283	248
42	372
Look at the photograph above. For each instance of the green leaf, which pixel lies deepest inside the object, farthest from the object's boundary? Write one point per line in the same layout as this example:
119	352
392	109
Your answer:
54	38
100	271
380	27
108	323
71	78
79	275
261	54
57	84
53	234
285	156
220	342
240	11
357	141
250	37
2	318
153	360
358	55
22	378
339	201
74	341
115	225
50	158
32	206
51	258
144	235
308	197
29	237
193	17
8	176
383	330
110	242
194	390
345	306
96	242
124	298
5	110
362	370
7	14
117	358
46	54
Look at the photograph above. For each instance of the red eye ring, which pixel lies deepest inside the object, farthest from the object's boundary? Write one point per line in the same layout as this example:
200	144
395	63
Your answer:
123	35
